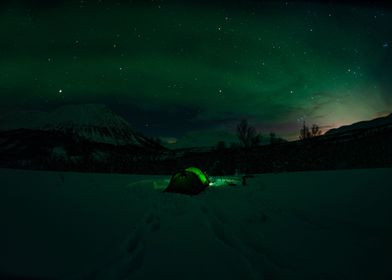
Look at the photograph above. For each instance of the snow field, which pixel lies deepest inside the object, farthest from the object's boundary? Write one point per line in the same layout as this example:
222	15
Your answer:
306	225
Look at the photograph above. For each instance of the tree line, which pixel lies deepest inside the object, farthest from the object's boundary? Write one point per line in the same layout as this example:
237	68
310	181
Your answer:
249	137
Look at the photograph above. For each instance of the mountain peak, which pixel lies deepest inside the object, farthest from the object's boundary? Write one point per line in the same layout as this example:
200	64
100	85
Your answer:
93	122
97	115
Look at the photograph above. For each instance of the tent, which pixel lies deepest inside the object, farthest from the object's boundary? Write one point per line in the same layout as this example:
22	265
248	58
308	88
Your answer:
189	181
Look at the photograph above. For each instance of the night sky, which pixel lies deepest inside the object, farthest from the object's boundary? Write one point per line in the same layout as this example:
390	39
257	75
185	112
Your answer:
189	72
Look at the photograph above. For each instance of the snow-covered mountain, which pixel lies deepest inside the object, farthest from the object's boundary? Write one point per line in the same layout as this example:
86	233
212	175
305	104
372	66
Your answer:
378	123
92	122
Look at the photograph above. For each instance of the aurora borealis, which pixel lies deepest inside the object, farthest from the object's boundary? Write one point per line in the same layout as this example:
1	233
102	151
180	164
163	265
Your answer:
188	72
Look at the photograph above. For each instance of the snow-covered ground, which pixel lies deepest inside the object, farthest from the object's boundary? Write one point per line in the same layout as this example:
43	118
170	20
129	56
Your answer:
308	225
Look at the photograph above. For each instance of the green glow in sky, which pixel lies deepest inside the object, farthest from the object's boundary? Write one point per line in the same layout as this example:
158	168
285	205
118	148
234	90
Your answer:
180	70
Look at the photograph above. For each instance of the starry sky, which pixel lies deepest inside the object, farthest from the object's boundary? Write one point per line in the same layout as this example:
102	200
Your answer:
188	72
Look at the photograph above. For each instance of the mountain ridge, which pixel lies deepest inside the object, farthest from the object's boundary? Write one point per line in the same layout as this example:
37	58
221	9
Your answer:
93	122
362	125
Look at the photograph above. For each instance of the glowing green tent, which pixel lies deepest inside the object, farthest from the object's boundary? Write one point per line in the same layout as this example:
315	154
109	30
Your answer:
189	181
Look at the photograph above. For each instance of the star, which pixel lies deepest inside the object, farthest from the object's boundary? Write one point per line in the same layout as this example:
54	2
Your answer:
60	91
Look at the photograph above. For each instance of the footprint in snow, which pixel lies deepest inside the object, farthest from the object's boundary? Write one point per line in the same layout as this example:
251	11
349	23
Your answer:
131	255
152	222
259	263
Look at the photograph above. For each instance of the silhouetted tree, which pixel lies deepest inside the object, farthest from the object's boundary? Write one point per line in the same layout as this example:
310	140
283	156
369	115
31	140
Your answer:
272	138
315	130
306	133
221	145
247	134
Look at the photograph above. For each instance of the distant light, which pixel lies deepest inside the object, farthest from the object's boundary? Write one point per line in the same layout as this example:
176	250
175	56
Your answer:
170	140
385	45
60	91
